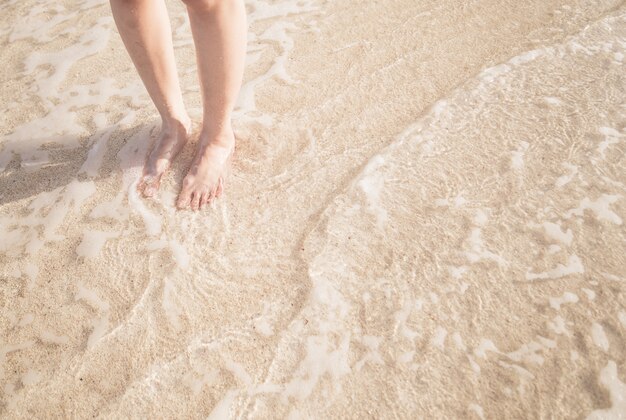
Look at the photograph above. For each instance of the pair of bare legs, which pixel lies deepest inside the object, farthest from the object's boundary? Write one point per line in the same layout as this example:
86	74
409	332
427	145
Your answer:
219	33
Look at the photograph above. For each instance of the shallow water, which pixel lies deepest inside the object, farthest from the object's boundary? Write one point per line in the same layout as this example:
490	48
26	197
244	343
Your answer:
425	218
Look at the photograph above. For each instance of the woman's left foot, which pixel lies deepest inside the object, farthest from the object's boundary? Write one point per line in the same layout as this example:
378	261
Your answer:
205	178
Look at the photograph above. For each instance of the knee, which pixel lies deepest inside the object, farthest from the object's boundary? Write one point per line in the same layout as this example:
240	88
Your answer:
208	5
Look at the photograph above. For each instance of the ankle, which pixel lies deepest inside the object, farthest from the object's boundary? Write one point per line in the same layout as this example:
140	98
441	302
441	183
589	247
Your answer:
224	140
222	134
176	123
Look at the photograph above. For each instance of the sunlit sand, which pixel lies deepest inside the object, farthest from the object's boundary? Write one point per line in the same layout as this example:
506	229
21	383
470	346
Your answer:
424	218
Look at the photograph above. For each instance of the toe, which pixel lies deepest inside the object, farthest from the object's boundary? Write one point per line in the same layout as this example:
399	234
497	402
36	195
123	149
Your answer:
195	200
204	199
145	180
149	192
150	189
182	203
148	185
184	198
220	187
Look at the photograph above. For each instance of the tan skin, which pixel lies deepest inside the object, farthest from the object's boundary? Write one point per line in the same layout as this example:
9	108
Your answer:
219	34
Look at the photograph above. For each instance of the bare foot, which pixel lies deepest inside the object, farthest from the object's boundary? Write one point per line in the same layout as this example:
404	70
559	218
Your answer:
171	140
205	178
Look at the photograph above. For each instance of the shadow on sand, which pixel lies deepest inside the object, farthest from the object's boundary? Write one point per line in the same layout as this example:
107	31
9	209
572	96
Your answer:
65	164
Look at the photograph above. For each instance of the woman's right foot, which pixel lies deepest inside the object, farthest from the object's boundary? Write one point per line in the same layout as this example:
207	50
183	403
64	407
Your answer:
170	142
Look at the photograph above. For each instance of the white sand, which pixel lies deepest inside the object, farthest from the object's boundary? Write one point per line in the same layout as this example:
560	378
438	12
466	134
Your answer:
425	218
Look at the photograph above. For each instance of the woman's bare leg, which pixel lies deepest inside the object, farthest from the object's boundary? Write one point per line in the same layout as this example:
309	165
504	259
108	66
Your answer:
145	29
219	31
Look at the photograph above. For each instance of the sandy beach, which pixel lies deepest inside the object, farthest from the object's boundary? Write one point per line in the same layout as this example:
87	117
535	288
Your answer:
424	219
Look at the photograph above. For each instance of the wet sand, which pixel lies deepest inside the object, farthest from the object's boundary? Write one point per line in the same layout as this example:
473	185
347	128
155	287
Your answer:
425	218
